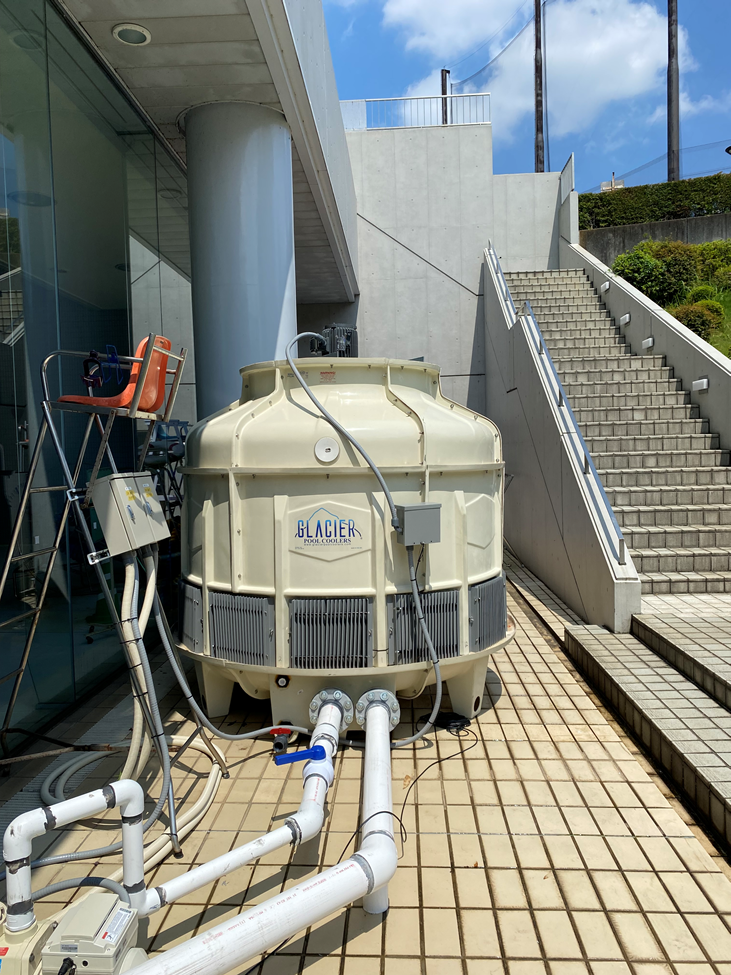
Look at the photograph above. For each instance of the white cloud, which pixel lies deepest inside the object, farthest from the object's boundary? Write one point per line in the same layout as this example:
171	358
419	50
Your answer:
446	30
688	108
598	53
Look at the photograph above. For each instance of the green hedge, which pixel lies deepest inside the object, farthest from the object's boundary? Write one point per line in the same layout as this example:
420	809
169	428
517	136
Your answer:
656	201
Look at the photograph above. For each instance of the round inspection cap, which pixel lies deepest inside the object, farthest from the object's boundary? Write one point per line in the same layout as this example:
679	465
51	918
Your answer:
327	450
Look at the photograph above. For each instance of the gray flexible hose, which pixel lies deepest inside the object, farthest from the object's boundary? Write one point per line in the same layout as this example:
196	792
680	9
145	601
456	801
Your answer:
71	884
167	642
158	736
337	426
401	742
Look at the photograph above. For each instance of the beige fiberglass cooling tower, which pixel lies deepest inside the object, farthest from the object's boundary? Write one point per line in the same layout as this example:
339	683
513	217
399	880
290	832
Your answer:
293	576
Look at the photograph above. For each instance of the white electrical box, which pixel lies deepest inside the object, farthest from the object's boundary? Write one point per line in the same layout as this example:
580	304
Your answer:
129	513
97	934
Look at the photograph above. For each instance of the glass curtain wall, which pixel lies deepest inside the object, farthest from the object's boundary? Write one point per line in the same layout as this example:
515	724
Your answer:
93	253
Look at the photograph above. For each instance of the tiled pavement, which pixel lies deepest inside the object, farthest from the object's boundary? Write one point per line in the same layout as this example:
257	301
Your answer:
547	847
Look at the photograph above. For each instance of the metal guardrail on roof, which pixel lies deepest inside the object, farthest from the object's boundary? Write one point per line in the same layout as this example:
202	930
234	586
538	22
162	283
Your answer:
571	434
416	112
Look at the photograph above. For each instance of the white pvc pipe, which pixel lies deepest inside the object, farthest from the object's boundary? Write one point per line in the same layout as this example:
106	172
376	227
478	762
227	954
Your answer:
305	824
19	836
241	208
377	802
229	945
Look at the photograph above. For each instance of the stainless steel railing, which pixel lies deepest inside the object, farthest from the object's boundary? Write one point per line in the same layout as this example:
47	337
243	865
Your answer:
569	428
416	112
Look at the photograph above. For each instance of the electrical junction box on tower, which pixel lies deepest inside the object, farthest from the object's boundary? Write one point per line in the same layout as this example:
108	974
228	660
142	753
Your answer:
129	512
98	934
420	523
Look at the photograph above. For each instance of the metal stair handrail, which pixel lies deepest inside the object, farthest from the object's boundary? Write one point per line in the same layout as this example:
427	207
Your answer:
600	503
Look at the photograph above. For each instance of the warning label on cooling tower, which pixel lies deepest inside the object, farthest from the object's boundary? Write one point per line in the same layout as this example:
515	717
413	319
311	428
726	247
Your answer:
330	531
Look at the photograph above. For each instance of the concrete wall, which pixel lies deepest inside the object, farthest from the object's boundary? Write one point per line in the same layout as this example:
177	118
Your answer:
690	357
309	32
427	205
525	225
607	242
552	513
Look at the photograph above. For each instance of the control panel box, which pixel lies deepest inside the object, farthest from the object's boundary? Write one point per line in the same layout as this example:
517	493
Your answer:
420	523
129	512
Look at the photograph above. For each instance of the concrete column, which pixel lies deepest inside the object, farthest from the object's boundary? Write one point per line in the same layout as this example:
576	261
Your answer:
242	243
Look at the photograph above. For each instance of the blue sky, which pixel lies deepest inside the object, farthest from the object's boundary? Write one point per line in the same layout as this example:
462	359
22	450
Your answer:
606	69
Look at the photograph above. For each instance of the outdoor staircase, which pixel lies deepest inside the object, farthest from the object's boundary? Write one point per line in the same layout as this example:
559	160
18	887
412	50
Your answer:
662	469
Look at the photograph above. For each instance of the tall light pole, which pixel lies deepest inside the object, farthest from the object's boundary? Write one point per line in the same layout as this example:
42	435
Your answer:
539	151
673	94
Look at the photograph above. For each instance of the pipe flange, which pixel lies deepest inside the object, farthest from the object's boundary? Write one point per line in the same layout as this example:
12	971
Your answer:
381	697
333	696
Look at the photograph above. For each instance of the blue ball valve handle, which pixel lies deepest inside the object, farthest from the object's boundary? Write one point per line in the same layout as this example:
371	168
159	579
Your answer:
315	754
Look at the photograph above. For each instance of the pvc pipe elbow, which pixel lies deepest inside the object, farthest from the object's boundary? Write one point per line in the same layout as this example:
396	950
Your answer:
379	853
130	797
307	823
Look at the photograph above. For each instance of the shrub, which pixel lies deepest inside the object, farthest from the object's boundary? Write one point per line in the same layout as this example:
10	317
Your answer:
643	271
712	256
696	318
714	308
656	201
702	292
679	261
722	277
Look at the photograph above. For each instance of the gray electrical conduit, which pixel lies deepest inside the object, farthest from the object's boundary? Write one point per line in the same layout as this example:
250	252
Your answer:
130	573
400	742
75	882
167	642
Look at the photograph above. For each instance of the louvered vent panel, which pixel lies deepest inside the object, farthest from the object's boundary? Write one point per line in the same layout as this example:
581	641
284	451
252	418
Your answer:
441	612
190	617
242	628
488	613
330	633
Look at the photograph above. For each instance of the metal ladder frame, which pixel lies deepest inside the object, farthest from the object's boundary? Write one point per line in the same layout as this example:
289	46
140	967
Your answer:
78	499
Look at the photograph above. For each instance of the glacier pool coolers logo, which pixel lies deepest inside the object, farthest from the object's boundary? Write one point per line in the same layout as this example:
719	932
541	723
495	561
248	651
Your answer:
325	529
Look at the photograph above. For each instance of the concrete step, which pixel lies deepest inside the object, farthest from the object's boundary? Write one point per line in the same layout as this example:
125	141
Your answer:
568	315
585	305
582	398
652	444
680	583
665	514
627	414
644	428
596	374
700	648
555	295
686	731
571	272
641	538
639	391
581	363
586	345
571	331
672	496
648	560
675	476
661	459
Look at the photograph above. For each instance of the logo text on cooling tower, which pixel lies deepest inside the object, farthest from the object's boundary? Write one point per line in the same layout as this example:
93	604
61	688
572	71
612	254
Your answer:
325	529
